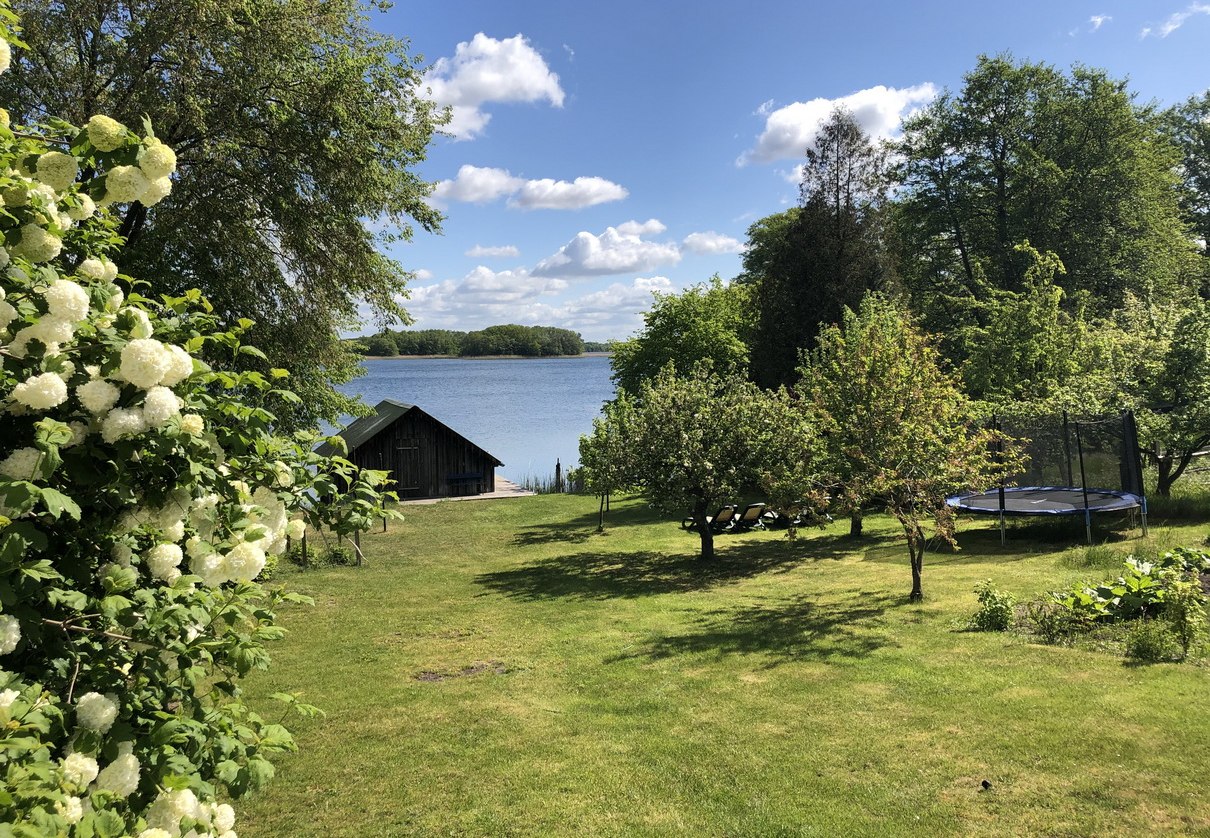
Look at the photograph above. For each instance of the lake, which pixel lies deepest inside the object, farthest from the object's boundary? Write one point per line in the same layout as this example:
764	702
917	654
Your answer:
525	411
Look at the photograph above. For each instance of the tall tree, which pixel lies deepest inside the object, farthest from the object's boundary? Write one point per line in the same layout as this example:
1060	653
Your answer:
710	321
295	126
698	440
1189	124
812	264
894	425
1068	162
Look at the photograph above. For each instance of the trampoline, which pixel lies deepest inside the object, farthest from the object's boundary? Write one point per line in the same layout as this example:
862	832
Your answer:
1105	450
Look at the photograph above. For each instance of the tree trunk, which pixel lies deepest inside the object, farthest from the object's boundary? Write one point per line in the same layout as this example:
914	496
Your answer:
916	552
601	515
855	523
703	529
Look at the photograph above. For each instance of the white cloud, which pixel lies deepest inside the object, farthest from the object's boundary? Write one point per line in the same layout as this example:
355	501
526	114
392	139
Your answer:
650	227
481	185
559	194
618	250
484	298
1176	20
791	129
713	243
485	70
1097	21
477	185
765	108
507	251
422	274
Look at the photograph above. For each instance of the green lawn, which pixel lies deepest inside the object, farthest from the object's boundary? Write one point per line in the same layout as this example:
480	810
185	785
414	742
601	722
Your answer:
498	668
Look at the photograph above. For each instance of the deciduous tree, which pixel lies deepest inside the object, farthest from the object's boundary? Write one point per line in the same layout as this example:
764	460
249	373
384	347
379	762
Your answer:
297	131
894	425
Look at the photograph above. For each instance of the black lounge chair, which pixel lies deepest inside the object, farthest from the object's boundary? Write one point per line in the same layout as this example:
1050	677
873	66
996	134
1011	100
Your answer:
751	518
720	521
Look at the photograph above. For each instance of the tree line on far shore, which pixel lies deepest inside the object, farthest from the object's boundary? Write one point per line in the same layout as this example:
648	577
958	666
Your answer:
511	339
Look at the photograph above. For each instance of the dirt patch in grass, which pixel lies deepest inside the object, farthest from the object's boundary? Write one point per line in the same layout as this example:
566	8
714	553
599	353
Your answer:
470	670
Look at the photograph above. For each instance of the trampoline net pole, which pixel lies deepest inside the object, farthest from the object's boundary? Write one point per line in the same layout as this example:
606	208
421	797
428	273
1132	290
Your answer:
1083	483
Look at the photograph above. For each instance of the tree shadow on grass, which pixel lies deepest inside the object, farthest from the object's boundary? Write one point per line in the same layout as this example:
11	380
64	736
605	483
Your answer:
579	529
797	629
605	575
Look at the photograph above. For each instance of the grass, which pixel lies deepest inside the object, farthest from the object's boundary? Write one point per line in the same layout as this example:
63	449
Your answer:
499	668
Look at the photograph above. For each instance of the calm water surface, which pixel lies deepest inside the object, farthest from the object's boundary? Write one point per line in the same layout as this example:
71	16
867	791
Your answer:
526	412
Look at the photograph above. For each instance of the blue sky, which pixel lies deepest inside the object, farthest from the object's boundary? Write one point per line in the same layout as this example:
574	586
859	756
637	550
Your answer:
600	152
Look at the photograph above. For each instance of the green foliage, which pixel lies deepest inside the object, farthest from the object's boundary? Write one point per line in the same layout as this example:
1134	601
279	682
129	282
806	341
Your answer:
1152	641
296	125
130	440
706	322
1189	126
1067	161
809	264
995	608
526	341
699	439
1140	591
607	455
894	425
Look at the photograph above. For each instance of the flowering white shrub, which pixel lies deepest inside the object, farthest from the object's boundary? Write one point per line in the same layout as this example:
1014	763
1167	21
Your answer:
142	491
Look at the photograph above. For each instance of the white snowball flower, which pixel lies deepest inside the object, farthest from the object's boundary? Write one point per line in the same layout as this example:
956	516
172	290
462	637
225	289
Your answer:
97	396
70	808
10	633
283	475
7	697
66	300
223	819
125	184
159	405
7	313
84	210
22	464
245	562
37	244
122	422
50	331
41	392
158	159
170	807
175	531
122	554
157	190
79	433
193	424
6	56
209	567
163	559
105	133
145	361
91	268
142	329
122	775
181	368
57	170
156	832
96	712
296	529
111	271
79	769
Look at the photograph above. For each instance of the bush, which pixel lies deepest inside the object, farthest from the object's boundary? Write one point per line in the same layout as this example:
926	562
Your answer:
142	492
1185	610
996	608
1054	623
1152	641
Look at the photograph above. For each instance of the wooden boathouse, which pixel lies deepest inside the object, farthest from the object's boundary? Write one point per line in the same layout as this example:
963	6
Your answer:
426	458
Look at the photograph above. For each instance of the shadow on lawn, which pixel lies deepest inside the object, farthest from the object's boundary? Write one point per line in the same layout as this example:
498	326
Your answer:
787	630
579	529
601	575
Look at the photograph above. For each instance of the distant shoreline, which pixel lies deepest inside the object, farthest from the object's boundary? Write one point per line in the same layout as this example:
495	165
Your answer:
487	357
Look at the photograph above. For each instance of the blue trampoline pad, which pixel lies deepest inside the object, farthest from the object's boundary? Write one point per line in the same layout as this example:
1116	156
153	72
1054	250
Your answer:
1045	500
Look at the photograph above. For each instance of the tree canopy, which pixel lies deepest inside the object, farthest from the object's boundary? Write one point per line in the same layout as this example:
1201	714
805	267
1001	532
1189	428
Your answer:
296	128
1024	152
711	321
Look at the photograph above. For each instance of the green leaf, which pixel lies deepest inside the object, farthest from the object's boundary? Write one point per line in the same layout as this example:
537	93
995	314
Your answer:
57	504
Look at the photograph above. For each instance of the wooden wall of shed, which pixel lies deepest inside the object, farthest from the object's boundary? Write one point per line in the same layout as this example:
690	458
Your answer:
422	455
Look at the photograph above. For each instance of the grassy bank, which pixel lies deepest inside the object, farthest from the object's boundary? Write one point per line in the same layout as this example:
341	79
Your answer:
498	668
